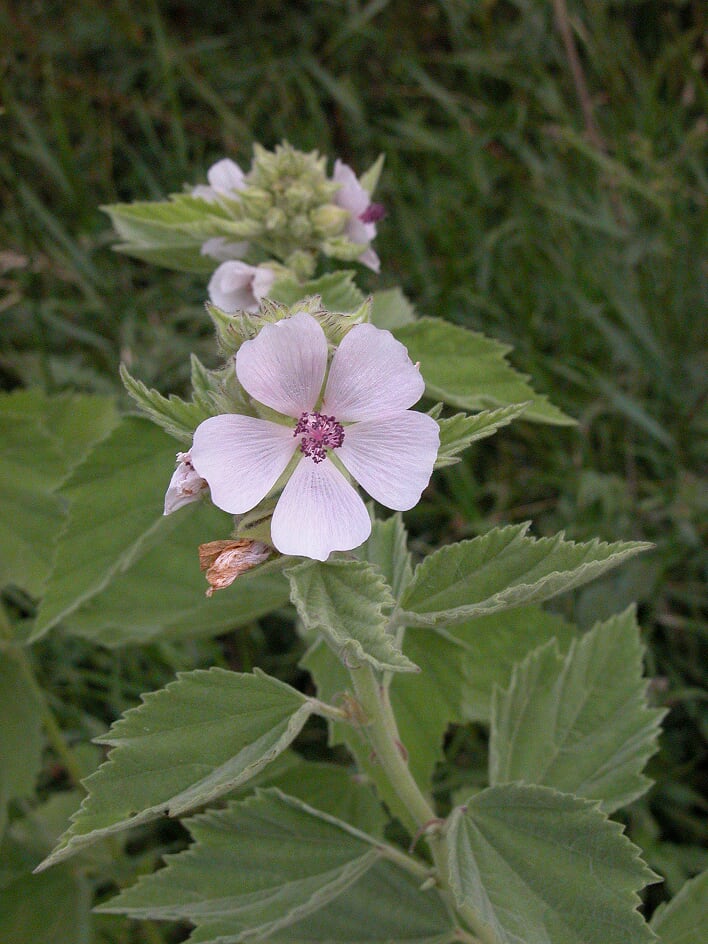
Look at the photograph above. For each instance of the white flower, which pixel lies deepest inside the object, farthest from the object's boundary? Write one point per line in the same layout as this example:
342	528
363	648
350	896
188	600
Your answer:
363	419
236	286
225	180
186	485
351	196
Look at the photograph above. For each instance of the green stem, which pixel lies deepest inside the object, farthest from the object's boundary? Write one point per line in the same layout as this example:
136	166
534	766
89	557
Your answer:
382	732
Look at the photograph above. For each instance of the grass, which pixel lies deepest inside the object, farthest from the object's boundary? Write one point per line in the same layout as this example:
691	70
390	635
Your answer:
563	214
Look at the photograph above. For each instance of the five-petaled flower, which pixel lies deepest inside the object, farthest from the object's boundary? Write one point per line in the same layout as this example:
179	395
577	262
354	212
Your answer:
356	425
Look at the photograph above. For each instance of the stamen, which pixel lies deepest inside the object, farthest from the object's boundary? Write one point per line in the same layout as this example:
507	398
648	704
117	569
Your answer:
319	433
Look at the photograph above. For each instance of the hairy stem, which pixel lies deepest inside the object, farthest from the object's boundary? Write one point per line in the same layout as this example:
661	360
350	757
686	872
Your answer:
419	815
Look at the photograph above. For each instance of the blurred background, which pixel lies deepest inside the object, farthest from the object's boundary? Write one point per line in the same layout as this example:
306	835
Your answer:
545	183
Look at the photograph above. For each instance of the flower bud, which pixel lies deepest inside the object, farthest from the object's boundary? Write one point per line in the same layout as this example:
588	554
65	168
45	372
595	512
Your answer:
329	220
275	219
256	202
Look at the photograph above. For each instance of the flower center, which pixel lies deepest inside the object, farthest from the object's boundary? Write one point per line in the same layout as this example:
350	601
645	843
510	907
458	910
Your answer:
319	433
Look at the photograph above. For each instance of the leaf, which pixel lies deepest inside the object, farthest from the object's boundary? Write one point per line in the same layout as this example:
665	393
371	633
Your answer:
503	569
345	602
685	918
20	733
459	431
391	309
54	908
273	868
579	722
540	867
337	290
200	737
176	416
118	548
470	371
386	548
43	439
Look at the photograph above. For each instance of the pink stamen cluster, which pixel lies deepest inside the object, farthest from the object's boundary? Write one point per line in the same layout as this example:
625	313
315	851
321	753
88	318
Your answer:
319	433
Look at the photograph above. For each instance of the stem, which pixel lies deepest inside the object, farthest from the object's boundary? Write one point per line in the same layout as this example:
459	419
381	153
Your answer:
384	738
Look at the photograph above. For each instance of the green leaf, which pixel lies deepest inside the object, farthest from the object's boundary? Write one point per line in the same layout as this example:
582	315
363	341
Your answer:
386	548
579	722
200	737
345	602
391	309
333	789
54	908
685	918
337	290
176	416
546	868
459	431
43	439
273	868
20	733
124	572
470	371
503	569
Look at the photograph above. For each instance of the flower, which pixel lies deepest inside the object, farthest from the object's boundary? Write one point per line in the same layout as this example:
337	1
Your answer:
186	485
237	286
361	422
225	180
224	561
361	227
222	249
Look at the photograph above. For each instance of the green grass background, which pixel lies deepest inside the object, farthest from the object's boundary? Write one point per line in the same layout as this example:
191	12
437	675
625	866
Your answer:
563	214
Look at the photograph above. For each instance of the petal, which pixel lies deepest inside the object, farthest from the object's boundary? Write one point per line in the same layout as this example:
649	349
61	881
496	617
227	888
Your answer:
319	512
225	176
351	195
371	376
231	287
263	279
392	459
241	457
186	485
221	249
284	365
370	259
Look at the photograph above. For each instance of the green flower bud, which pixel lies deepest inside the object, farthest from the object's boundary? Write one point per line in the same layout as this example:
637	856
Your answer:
275	219
329	220
256	202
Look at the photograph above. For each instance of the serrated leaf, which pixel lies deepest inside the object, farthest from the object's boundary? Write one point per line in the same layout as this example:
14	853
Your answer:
176	416
345	602
541	867
273	868
459	431
459	671
54	908
391	309
43	439
337	290
200	737
579	722
470	371
501	569
20	732
171	255
685	918
387	549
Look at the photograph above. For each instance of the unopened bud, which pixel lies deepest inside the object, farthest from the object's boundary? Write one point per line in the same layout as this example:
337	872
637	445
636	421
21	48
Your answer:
329	220
224	561
256	201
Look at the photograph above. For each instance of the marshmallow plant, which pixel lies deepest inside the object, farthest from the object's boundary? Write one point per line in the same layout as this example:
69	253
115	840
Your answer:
323	424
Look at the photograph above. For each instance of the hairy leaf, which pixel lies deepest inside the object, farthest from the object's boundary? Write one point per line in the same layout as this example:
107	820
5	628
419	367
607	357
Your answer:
579	722
20	733
501	569
685	918
337	290
273	868
391	309
459	431
470	371
201	736
345	602
540	867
